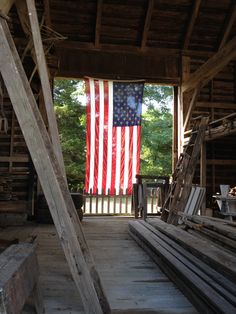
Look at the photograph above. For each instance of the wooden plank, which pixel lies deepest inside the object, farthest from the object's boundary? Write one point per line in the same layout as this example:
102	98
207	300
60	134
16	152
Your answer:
185	271
228	23
147	23
18	275
5	6
211	67
214	236
215	226
223	282
44	78
191	107
192	19
98	23
215	105
54	186
221	261
15	158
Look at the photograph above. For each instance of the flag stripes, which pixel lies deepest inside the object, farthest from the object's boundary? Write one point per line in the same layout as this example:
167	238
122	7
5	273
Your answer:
113	153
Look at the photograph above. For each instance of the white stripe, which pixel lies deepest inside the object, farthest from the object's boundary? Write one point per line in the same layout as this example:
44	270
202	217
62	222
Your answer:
134	163
109	135
101	129
126	168
92	132
118	158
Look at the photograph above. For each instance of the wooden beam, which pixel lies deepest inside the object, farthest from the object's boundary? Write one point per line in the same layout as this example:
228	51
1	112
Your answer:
75	45
193	16
44	78
175	130
203	173
211	67
191	107
98	23
228	23
47	13
218	105
54	186
147	23
5	5
75	63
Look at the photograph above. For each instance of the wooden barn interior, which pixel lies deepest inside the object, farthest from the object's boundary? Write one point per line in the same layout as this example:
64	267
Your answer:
179	262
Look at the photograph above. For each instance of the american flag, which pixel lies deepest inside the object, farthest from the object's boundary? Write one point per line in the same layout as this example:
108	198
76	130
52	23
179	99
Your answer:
113	135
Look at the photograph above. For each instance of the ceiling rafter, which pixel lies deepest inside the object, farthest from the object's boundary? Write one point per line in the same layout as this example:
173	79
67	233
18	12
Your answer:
228	23
147	23
98	23
193	16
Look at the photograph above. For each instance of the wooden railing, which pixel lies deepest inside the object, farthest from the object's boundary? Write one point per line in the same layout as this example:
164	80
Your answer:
117	204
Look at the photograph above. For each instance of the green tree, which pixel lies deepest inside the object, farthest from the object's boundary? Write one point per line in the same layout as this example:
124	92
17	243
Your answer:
72	128
156	143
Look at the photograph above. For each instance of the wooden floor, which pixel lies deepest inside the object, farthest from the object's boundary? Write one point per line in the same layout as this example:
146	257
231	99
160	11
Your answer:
132	282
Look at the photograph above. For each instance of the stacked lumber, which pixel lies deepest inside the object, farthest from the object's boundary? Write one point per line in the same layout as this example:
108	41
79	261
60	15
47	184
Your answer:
205	273
219	231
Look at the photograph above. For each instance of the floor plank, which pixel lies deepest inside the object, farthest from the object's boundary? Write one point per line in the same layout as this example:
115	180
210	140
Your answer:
132	281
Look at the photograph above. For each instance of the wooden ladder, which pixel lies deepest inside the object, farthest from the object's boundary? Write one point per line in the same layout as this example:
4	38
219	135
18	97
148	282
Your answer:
184	172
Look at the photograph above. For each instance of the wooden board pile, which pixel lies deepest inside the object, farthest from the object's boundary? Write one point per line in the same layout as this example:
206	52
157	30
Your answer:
204	271
220	231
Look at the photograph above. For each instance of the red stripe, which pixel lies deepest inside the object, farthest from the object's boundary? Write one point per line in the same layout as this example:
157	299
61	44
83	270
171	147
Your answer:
88	121
122	158
138	148
131	141
97	119
105	136
113	160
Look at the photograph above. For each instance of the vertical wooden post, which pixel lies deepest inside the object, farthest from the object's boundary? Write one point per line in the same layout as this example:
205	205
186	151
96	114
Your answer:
175	130
180	122
203	173
48	169
44	78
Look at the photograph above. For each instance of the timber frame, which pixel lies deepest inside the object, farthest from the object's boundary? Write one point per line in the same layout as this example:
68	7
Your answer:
188	44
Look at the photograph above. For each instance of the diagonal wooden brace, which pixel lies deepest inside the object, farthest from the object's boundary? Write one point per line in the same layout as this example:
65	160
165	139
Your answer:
46	164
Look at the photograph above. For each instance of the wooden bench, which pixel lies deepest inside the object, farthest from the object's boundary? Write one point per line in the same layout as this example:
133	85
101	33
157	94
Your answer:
19	275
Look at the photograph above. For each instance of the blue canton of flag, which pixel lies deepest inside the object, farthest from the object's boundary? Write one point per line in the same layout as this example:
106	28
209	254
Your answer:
127	104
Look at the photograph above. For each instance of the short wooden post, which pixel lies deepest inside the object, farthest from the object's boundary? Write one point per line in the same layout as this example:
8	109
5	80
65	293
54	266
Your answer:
121	192
126	201
96	197
102	206
90	201
152	199
114	204
108	201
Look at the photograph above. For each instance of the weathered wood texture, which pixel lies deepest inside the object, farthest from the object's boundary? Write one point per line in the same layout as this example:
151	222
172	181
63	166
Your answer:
199	281
45	83
79	63
19	276
52	181
132	281
213	66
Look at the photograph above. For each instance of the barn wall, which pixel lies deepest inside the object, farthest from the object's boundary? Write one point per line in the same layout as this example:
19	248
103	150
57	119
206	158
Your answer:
16	170
217	100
